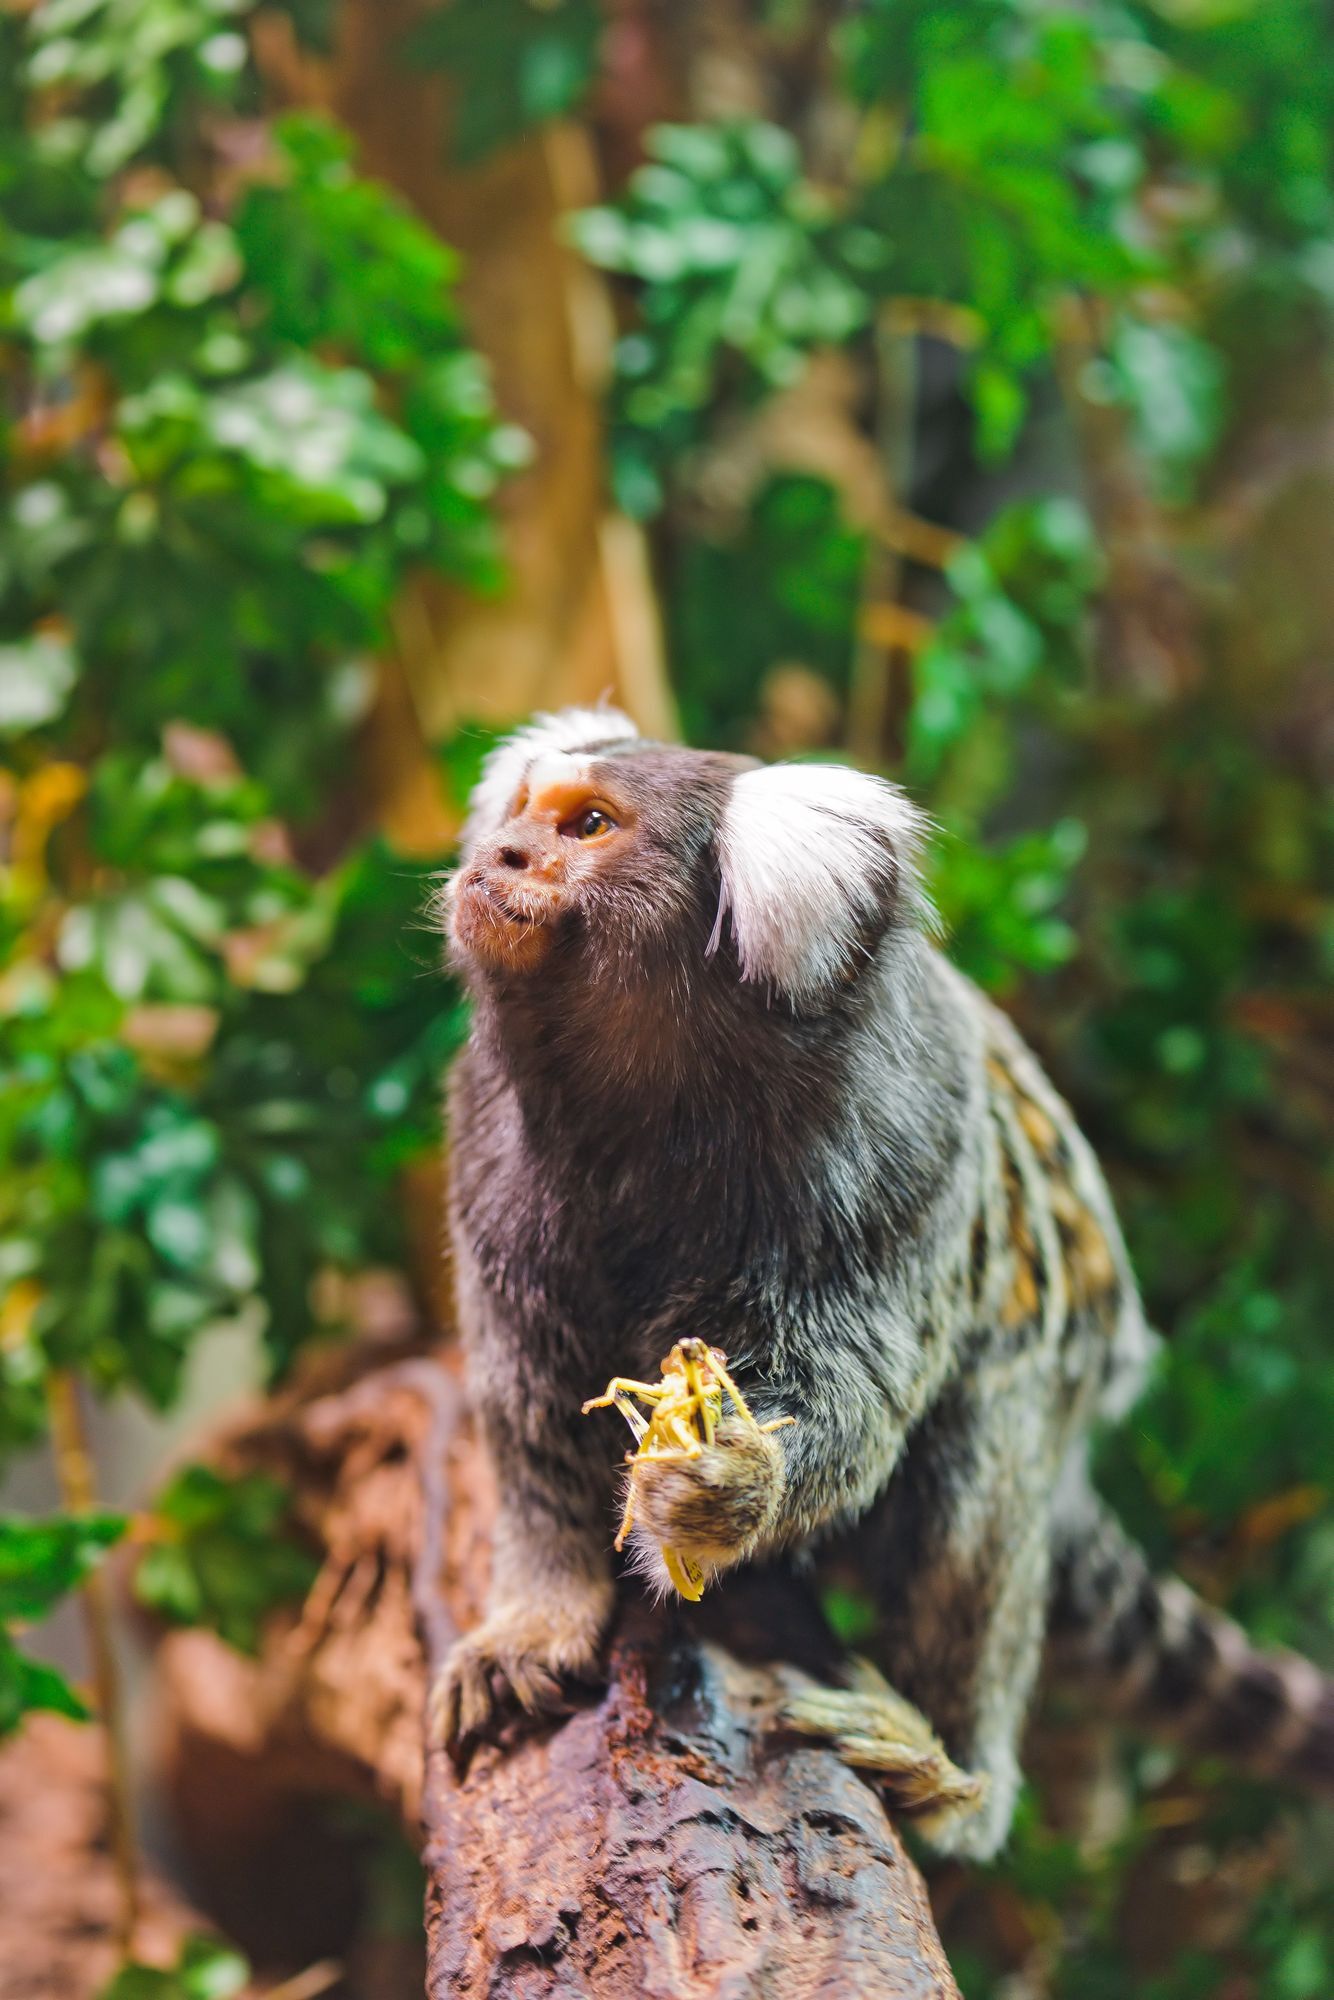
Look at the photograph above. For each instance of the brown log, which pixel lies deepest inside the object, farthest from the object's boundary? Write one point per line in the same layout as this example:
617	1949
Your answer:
663	1839
658	1844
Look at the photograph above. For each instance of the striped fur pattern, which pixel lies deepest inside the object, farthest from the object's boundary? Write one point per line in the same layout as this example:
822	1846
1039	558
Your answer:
1169	1663
733	1091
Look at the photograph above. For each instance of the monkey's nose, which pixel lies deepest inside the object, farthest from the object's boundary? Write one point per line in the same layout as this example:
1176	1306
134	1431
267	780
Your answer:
518	852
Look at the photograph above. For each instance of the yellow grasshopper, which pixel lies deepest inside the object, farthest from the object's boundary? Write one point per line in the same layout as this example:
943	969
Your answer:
685	1410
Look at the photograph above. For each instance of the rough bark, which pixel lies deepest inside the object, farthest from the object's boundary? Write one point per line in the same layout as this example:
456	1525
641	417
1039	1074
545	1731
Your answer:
660	1840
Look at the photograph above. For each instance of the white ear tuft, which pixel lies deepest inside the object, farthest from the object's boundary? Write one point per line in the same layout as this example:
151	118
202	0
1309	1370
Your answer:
814	858
569	730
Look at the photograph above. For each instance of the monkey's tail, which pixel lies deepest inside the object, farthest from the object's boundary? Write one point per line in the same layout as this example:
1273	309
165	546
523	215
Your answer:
1172	1666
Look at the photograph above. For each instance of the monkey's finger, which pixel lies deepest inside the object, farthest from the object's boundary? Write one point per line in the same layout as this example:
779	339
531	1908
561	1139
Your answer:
891	1755
863	1714
444	1725
442	1709
863	1676
476	1703
536	1688
874	1729
935	1819
936	1789
916	1777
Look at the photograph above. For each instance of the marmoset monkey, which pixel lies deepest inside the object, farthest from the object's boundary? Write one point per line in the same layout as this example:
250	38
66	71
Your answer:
722	1084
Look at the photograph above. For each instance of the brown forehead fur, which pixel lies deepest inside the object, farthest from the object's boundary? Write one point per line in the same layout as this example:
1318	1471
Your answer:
663	777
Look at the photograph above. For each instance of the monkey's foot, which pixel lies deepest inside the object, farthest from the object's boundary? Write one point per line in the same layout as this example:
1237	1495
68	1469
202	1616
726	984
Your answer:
874	1729
517	1655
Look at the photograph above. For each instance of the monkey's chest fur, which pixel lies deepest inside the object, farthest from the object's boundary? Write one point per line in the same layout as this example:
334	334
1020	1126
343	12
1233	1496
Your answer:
597	1264
823	1253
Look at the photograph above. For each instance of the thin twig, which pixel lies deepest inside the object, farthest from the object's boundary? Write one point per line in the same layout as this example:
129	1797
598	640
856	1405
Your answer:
307	1985
78	1485
891	626
921	541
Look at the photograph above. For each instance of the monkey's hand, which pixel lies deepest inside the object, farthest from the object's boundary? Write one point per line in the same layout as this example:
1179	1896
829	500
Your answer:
517	1654
711	1510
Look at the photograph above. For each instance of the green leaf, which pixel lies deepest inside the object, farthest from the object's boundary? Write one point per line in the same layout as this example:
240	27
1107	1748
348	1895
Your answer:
852	1616
777	597
29	1685
224	1557
310	437
343	261
998	902
1000	402
1172	381
42	1560
86	286
206	1969
37	676
163	254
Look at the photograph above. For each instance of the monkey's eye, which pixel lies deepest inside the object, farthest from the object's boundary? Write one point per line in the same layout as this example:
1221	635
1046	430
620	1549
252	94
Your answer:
589	824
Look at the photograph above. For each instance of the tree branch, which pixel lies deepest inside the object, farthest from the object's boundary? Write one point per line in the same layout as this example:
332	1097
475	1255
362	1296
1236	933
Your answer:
663	1839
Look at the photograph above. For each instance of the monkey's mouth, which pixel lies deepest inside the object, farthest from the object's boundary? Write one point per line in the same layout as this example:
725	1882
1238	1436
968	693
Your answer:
505	924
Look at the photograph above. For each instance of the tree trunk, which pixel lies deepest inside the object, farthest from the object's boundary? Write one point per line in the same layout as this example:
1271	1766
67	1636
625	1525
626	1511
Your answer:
663	1839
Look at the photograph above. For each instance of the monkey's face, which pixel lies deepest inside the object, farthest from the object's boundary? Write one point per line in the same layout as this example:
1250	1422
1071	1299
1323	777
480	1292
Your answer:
591	858
568	825
599	848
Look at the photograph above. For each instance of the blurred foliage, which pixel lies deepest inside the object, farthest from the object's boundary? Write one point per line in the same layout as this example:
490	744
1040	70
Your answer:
205	1969
241	410
1057	277
40	1561
224	1554
744	272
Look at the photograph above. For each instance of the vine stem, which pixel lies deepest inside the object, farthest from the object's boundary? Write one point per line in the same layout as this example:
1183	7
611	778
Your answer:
76	1472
